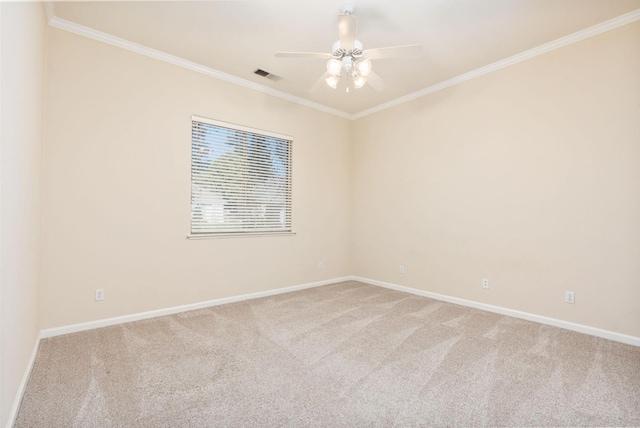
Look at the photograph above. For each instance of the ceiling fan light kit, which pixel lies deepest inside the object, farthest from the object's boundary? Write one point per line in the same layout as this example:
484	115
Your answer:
332	81
359	81
348	56
334	66
364	67
353	62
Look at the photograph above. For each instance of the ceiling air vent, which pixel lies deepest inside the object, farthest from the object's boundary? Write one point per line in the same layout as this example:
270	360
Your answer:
268	75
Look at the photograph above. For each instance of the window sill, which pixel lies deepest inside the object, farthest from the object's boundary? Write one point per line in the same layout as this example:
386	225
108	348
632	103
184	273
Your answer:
239	235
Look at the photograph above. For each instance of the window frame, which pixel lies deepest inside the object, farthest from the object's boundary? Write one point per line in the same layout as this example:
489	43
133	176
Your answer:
255	131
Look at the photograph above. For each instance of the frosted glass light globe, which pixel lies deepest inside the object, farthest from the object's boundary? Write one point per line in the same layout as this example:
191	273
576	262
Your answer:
359	81
332	81
364	67
334	66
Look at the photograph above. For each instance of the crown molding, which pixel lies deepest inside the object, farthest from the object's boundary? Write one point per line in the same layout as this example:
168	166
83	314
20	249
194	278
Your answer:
594	30
81	30
605	26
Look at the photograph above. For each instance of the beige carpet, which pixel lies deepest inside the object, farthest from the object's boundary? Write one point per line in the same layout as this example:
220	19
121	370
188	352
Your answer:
347	354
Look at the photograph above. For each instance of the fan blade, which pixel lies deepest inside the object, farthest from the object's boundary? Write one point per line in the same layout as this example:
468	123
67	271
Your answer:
303	55
347	31
376	82
320	83
408	51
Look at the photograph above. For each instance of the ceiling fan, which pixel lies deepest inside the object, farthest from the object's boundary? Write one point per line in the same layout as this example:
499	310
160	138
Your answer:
348	57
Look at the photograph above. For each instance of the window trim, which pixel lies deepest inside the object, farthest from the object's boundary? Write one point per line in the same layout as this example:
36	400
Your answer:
240	127
221	235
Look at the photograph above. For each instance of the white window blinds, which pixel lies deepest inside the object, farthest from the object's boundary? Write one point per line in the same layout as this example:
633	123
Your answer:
240	180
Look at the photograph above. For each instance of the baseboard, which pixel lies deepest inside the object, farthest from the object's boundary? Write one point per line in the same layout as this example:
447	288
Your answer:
580	328
618	337
74	328
23	384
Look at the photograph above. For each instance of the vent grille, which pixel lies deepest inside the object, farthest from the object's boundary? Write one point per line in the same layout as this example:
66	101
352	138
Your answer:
266	74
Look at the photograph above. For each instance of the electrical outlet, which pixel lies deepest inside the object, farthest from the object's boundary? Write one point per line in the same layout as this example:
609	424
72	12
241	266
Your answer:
320	265
569	297
401	269
485	283
99	294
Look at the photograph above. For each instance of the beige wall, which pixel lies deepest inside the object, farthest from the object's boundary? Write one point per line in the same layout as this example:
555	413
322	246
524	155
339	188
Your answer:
23	55
117	188
529	176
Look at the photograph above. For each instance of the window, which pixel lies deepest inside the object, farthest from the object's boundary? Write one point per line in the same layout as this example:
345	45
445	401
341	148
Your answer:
240	180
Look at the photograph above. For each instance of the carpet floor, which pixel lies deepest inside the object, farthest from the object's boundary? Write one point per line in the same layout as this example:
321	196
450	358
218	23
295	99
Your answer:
346	354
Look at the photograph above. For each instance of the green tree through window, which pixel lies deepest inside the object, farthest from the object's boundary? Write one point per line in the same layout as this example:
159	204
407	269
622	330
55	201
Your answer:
240	180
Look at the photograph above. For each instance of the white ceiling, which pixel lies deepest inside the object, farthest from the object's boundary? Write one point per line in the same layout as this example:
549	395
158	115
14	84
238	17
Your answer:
237	37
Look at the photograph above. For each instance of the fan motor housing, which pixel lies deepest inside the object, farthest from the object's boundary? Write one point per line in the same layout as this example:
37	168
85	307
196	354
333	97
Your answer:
339	51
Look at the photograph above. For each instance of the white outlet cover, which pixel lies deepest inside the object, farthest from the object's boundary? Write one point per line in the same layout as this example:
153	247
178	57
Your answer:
569	297
401	269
